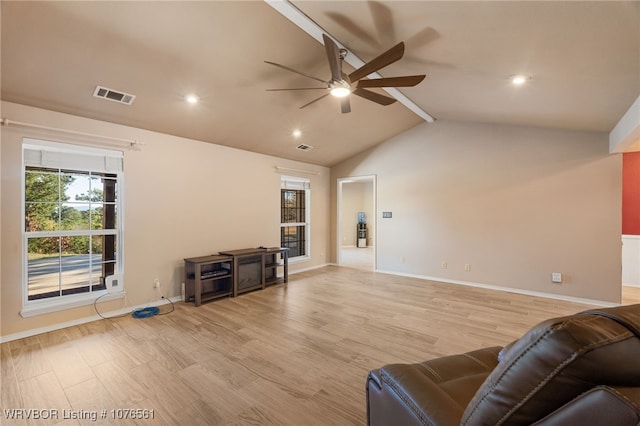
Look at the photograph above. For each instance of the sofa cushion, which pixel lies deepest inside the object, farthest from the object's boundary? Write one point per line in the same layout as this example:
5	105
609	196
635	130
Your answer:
602	405
430	392
555	362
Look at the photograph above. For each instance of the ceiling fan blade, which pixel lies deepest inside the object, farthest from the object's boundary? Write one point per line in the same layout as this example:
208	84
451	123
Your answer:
296	71
381	61
345	105
383	20
349	24
315	100
297	88
405	81
373	96
333	54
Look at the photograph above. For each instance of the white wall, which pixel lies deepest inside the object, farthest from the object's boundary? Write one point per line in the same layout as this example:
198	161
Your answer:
183	198
514	203
631	260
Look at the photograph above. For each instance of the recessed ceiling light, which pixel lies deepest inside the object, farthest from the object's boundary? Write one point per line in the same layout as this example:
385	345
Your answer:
519	79
191	98
297	133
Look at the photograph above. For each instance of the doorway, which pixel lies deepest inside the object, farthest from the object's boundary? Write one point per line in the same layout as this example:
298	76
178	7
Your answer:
356	202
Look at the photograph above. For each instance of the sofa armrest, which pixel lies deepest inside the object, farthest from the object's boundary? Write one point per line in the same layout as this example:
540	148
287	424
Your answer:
433	392
602	405
555	362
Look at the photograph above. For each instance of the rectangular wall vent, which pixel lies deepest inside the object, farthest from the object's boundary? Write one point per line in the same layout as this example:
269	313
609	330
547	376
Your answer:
304	147
113	95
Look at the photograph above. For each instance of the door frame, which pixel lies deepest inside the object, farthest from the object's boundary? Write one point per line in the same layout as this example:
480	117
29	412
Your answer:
356	179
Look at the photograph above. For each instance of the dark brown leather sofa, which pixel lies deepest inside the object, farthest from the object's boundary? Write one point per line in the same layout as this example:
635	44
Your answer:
582	369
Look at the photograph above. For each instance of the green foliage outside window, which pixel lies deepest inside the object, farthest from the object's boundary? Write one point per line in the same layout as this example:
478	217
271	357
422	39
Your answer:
48	207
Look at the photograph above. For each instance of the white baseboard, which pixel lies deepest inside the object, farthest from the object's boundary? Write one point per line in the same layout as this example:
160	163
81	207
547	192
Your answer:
507	289
59	326
311	268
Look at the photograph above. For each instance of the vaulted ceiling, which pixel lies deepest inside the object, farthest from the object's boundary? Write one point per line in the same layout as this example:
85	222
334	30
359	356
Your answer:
583	60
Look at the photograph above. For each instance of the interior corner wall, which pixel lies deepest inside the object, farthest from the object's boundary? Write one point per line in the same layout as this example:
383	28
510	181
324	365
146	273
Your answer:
183	198
631	193
513	203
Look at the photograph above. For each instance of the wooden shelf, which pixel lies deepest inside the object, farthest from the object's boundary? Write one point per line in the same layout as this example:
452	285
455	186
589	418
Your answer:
276	280
274	259
208	278
208	296
214	295
203	279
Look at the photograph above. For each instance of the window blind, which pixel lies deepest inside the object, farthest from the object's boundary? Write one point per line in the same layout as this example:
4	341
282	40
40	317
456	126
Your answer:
63	156
294	183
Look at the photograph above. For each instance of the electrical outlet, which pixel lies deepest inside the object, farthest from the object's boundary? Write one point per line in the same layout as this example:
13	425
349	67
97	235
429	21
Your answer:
443	265
156	283
556	277
467	267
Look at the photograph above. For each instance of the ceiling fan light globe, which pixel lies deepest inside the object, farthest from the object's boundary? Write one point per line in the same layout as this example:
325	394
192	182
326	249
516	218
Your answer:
340	92
192	98
519	80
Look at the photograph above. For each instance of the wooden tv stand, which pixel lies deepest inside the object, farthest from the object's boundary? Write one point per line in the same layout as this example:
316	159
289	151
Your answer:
256	268
234	272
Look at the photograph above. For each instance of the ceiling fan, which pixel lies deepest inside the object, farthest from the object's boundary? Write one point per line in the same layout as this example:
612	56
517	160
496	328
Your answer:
342	85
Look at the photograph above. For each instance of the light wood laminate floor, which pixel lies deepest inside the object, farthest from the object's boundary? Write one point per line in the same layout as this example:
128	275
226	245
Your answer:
295	354
630	295
358	257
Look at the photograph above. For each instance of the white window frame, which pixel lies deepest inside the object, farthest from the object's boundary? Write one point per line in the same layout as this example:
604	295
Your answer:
81	158
299	183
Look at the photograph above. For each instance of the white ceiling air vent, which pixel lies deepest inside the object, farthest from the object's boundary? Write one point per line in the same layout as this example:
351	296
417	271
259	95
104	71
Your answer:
113	95
304	147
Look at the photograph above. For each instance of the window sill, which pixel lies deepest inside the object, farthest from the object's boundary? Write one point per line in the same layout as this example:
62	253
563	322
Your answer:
41	307
299	259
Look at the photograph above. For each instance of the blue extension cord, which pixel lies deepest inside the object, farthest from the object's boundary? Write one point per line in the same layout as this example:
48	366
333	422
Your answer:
145	312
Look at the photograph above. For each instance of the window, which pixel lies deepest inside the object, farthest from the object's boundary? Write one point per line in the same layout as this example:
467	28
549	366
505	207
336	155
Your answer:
72	235
294	216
